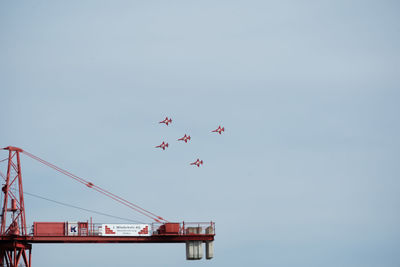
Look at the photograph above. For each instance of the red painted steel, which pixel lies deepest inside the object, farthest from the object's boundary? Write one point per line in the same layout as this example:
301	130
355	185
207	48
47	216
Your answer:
111	239
13	179
167	232
11	250
48	228
15	243
83	228
169	228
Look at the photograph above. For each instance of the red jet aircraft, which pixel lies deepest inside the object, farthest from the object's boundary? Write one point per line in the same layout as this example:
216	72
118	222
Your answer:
163	145
166	121
197	163
185	138
219	130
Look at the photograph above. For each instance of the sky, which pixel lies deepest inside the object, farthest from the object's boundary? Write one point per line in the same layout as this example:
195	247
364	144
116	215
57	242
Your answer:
306	173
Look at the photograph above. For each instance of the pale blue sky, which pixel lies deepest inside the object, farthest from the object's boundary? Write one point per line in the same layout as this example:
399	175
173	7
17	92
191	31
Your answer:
307	172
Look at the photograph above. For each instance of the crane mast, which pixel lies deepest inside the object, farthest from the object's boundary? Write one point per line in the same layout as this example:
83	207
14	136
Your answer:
13	223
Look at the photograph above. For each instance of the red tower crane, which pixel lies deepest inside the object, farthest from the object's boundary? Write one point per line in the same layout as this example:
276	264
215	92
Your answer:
16	242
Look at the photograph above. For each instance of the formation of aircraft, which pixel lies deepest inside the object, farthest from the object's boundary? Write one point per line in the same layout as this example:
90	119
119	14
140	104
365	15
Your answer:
186	138
166	121
198	162
163	145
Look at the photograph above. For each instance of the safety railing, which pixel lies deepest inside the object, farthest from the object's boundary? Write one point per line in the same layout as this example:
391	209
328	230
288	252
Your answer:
112	229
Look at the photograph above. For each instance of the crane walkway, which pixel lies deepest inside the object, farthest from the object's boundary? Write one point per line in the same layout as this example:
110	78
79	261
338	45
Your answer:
110	239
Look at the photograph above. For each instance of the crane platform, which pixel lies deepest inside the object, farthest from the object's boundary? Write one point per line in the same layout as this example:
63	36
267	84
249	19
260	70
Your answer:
109	239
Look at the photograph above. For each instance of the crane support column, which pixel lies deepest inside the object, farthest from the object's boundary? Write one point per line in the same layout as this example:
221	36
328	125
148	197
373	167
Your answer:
14	253
13	223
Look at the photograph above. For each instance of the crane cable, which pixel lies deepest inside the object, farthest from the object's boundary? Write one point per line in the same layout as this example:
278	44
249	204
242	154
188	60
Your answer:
69	205
98	189
80	208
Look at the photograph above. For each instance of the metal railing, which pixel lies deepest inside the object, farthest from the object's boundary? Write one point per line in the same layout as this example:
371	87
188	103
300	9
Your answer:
110	229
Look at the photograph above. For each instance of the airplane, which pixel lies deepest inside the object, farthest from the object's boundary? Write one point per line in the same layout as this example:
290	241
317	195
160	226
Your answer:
163	145
219	130
197	163
166	121
185	138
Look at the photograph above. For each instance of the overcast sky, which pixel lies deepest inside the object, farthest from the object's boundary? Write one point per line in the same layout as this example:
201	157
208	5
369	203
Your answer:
307	172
